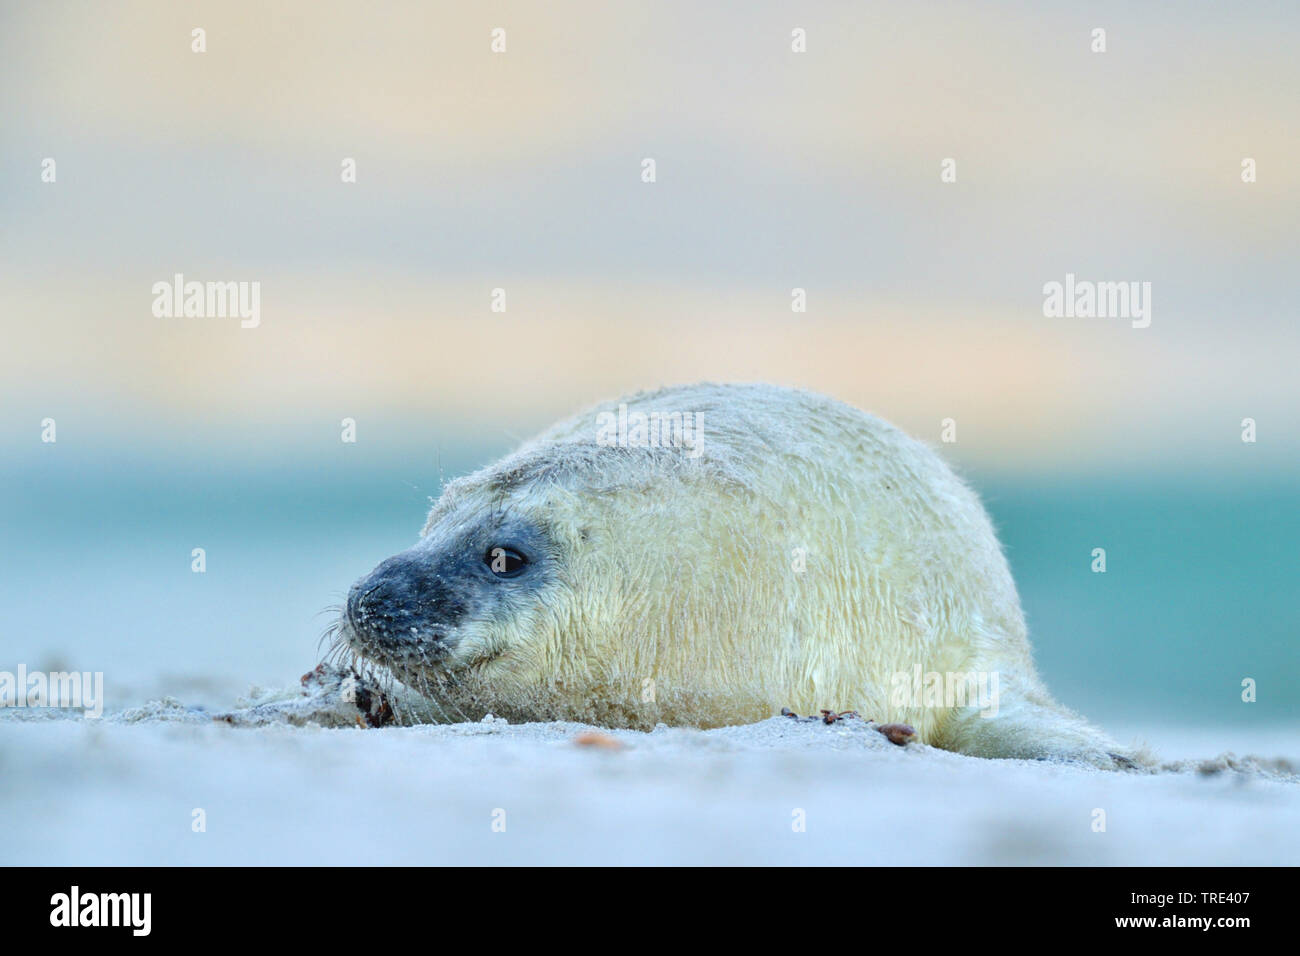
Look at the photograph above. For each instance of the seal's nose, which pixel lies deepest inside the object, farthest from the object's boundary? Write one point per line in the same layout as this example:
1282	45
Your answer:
375	602
405	600
367	600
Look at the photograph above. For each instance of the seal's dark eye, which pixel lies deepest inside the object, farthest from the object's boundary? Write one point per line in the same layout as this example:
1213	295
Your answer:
504	562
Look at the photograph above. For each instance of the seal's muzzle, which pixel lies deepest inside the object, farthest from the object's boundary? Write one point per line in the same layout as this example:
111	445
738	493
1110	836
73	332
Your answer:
402	608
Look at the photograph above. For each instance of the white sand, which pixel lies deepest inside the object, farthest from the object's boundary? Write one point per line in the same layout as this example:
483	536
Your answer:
119	792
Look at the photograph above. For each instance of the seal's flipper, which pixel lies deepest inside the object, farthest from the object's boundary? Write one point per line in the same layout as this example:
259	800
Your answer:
1026	729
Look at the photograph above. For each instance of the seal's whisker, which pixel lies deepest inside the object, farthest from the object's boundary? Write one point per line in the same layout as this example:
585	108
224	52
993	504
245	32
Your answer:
332	633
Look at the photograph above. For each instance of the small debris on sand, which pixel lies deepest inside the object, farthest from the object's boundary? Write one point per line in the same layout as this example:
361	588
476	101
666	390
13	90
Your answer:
900	734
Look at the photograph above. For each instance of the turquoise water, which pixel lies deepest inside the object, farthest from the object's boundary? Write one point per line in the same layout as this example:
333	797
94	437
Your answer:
1199	591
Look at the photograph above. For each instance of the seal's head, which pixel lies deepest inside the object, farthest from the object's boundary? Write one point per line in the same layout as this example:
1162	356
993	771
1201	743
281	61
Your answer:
454	603
535	588
433	605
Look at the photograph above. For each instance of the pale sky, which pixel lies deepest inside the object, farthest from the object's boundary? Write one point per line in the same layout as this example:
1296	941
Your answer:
775	170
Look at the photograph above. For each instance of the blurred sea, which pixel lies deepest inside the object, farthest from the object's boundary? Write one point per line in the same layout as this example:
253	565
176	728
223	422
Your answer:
1199	590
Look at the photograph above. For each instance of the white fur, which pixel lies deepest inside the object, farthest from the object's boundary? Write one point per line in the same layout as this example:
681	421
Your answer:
678	580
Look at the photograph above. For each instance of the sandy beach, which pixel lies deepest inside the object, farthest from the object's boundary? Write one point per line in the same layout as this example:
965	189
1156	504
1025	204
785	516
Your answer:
779	792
